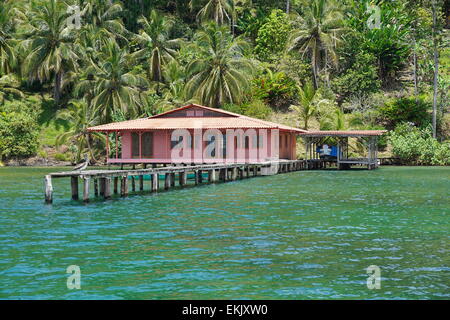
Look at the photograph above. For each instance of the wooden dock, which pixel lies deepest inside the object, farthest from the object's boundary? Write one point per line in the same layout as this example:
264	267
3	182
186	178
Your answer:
107	182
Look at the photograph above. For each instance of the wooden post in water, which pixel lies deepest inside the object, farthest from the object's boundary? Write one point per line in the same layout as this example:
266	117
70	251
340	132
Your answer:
74	185
197	180
96	187
141	183
48	189
182	178
212	176
116	183
133	184
200	176
255	171
155	182
172	179
102	187
167	182
248	171
124	186
86	181
234	174
107	191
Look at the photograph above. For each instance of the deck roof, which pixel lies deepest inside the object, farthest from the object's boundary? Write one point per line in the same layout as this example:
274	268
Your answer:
343	133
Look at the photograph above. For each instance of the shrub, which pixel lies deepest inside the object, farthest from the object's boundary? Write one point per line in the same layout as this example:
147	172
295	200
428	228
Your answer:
417	146
255	108
18	135
400	110
361	79
272	36
62	157
275	89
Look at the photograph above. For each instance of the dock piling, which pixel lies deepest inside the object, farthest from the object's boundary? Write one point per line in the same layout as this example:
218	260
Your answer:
107	191
86	181
167	182
74	185
155	182
116	183
48	189
96	187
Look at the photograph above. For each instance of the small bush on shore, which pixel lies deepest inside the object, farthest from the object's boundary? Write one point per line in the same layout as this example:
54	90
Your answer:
417	146
18	135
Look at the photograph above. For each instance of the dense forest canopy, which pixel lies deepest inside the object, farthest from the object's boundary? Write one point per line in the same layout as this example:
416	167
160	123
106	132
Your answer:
66	65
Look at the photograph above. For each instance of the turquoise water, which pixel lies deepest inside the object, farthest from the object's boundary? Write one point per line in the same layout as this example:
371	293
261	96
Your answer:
301	235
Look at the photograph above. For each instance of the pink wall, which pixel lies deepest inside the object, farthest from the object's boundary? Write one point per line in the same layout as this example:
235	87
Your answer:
162	147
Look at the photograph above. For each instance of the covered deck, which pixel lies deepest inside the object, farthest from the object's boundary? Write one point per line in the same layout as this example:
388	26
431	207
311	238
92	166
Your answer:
340	140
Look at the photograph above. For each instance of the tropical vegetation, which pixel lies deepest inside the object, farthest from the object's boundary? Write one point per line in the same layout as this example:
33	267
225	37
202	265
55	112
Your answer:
66	65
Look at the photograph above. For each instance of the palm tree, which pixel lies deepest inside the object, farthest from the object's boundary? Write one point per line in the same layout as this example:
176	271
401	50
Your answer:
50	45
221	73
219	11
115	87
307	108
81	117
318	33
102	22
158	49
8	16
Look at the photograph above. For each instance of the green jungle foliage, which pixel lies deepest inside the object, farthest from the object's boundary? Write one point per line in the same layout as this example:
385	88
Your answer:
66	65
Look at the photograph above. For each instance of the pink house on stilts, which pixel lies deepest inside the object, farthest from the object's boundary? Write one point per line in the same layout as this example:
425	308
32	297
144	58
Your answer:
198	134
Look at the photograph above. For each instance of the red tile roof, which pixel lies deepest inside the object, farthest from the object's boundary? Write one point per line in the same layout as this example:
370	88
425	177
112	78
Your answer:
157	122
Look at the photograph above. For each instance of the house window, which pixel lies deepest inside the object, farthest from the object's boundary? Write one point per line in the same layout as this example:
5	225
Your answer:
280	138
247	142
144	147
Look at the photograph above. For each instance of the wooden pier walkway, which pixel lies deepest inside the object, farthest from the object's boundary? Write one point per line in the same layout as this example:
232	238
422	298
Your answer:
106	182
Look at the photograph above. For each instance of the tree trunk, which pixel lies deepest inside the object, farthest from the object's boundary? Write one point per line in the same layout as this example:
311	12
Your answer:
57	88
436	67
416	91
288	6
